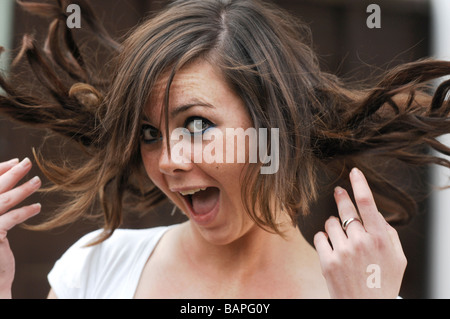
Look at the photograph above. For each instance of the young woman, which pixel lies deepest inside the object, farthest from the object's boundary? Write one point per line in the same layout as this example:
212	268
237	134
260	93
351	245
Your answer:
208	68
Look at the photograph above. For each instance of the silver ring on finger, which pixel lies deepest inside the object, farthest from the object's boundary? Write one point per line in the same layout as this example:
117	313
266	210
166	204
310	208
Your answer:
349	221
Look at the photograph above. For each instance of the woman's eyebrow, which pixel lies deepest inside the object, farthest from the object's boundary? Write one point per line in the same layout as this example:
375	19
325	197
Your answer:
180	109
183	108
145	118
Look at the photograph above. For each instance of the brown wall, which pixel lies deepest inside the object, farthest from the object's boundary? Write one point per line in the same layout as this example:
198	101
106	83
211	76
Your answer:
345	45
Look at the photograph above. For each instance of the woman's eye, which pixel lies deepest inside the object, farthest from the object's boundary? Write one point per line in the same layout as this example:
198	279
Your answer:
150	134
198	125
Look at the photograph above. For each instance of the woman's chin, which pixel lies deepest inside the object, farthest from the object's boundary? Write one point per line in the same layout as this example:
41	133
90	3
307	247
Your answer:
223	233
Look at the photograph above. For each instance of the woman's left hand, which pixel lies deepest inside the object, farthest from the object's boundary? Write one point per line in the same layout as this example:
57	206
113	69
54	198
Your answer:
366	260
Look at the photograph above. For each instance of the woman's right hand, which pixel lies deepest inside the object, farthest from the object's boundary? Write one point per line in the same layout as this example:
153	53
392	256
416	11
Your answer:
10	196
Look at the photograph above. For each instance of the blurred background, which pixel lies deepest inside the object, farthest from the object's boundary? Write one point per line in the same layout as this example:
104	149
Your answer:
409	30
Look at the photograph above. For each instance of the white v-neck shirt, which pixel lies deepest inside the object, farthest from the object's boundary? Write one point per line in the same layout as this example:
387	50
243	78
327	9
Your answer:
110	270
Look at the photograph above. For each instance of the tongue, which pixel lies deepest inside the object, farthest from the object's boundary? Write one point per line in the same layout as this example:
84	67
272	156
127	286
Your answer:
204	201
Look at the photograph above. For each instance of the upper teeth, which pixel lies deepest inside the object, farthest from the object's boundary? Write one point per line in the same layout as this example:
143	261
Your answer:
192	191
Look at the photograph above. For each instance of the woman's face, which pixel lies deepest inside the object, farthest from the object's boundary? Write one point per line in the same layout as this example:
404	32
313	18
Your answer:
207	191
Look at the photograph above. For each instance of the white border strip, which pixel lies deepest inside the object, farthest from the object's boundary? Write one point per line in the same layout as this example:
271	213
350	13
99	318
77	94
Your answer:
440	201
6	26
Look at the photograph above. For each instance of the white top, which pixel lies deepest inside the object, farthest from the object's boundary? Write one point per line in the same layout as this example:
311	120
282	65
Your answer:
110	270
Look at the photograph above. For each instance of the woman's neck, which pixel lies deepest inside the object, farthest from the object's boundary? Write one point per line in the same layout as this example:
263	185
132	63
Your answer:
256	252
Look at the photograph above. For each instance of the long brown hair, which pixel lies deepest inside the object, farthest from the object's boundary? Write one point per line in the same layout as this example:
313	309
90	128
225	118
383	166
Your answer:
264	55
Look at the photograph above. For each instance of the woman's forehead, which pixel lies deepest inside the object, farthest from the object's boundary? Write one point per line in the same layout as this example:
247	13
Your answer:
196	81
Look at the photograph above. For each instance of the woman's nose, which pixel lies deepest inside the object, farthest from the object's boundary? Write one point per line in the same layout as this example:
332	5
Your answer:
172	162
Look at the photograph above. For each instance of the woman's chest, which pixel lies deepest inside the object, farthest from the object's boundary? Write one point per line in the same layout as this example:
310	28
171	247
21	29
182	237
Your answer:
177	282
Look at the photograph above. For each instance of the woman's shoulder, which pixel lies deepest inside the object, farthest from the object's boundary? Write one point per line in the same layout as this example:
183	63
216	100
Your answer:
105	269
120	240
123	238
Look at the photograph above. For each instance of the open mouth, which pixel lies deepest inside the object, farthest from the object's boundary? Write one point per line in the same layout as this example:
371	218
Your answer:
202	202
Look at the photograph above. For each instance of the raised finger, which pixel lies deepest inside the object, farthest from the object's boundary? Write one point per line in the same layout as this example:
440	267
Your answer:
13	197
10	178
335	232
6	166
322	245
18	216
371	218
347	211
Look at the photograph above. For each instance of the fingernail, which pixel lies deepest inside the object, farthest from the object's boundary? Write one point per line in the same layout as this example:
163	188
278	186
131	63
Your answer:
338	190
355	171
38	208
26	161
35	180
13	161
